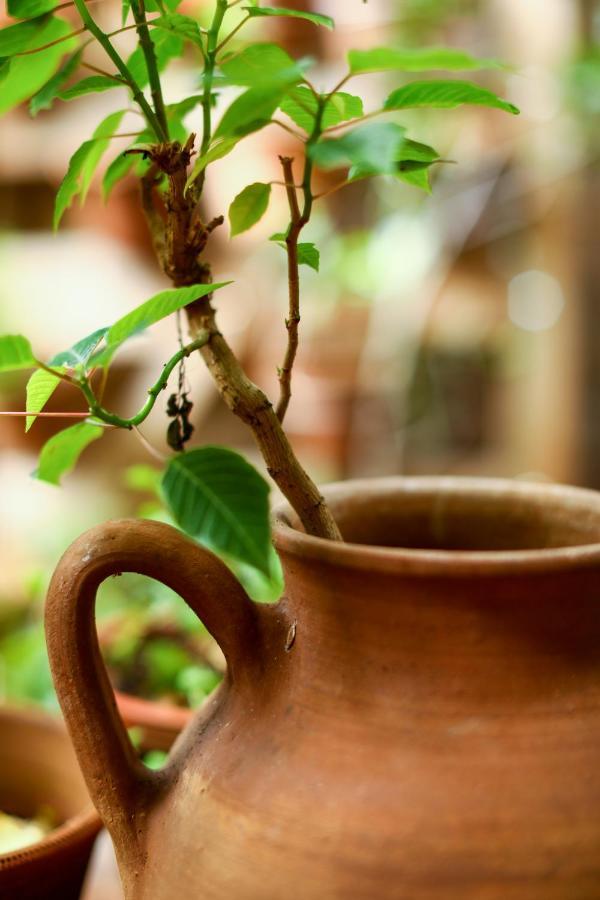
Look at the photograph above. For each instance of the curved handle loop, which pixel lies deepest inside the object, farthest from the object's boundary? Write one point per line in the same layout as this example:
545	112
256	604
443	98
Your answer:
119	784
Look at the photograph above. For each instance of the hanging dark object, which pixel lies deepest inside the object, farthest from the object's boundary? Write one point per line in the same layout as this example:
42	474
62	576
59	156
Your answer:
180	429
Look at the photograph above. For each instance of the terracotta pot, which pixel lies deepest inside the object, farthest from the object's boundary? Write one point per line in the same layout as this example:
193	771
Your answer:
159	723
407	723
38	769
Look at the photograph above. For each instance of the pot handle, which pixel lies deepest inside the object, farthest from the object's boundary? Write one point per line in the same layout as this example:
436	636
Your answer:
120	786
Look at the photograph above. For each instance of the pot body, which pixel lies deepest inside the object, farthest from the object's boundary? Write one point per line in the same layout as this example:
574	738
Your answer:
38	770
406	723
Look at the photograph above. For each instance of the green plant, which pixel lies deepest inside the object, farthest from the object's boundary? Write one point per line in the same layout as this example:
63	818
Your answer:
212	492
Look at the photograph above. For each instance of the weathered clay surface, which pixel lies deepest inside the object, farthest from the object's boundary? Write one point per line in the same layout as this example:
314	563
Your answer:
407	724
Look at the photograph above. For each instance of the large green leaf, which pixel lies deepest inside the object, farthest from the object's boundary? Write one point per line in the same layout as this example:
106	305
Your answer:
16	38
301	106
28	9
248	207
93	84
82	165
445	95
316	18
15	353
412	165
27	74
416	59
79	354
40	388
156	308
60	454
46	96
261	64
251	111
222	501
118	169
374	148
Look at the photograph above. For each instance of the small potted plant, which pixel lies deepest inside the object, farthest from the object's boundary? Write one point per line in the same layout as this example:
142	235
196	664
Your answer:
455	752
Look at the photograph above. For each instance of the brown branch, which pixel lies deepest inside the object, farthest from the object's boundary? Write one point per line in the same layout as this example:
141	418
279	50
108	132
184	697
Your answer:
251	405
293	320
180	249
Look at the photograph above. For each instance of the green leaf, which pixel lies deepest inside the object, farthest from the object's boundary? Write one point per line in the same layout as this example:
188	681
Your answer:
417	152
27	74
59	455
101	141
416	174
125	9
182	26
94	84
29	9
80	353
373	148
416	59
83	164
15	353
308	255
316	18
249	207
220	500
445	95
156	308
167	46
46	96
118	169
16	38
40	388
301	106
251	111
261	64
217	151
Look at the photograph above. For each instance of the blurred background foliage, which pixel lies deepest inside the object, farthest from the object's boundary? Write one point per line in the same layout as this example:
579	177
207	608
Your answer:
453	333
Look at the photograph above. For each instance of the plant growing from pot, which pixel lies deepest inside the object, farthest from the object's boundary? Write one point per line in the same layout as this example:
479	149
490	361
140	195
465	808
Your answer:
419	747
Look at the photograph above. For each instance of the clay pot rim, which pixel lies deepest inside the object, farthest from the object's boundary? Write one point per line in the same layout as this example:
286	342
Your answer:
289	539
81	826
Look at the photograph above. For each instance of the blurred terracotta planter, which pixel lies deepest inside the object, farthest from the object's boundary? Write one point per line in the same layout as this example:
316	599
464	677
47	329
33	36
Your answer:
159	723
38	769
417	719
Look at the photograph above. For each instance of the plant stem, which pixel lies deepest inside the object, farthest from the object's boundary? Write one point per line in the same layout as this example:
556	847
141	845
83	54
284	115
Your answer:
251	405
232	33
137	92
139	15
104	415
293	320
212	42
297	222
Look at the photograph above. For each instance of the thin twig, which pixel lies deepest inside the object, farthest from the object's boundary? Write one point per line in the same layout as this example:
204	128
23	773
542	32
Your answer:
293	320
287	128
232	34
47	415
59	40
148	446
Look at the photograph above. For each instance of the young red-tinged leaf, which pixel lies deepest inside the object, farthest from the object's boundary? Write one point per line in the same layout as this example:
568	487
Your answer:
445	95
40	388
15	353
60	454
249	207
27	74
221	501
315	18
46	96
416	59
